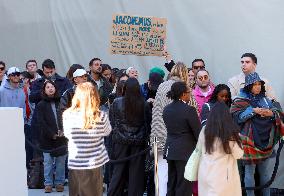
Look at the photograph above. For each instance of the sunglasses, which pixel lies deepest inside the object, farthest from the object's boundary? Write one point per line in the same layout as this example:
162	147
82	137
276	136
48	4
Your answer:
15	74
198	67
2	68
201	78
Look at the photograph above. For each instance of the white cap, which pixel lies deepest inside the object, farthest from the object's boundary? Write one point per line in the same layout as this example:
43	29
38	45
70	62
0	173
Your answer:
79	72
12	70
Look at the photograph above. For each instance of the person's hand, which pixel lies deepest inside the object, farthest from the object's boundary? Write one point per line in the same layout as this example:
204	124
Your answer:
166	54
150	100
60	133
266	113
54	136
257	110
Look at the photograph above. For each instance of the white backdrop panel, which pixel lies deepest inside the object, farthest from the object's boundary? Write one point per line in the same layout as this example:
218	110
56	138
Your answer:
219	31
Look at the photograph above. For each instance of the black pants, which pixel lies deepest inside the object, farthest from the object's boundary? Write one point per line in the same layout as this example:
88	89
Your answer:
131	171
29	149
177	184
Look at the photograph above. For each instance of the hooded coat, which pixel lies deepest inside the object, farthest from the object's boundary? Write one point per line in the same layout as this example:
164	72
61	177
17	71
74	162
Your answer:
12	97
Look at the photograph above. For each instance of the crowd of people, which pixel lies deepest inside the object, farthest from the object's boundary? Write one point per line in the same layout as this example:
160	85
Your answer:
80	122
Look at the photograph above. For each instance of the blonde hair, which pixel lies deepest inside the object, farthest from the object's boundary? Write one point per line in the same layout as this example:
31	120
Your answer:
180	71
86	100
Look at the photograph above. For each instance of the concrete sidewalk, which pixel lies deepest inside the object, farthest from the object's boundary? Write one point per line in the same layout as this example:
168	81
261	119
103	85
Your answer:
40	192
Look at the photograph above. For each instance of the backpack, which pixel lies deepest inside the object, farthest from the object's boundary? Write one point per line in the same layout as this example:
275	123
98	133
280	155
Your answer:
36	174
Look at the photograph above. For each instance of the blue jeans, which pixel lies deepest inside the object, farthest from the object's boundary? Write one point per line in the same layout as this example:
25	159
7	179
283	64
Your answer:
49	169
264	174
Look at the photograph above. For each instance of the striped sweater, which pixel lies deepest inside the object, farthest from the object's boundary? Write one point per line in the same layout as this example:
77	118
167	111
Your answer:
86	149
158	127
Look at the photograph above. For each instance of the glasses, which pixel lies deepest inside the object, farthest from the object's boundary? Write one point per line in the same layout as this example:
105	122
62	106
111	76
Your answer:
2	68
15	74
198	67
201	78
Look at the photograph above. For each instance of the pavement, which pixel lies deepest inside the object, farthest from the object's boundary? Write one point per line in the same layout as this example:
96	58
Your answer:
40	192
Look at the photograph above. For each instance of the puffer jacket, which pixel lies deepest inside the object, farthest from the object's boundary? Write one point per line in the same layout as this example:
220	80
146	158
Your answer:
123	133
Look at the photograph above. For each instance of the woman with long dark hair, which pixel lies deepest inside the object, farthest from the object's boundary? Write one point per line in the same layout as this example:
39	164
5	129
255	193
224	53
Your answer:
221	93
130	118
52	137
220	148
183	127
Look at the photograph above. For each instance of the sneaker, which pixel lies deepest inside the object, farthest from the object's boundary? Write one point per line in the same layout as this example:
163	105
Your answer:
48	189
59	188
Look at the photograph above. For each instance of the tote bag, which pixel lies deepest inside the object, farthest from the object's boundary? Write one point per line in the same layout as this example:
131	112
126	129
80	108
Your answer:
191	167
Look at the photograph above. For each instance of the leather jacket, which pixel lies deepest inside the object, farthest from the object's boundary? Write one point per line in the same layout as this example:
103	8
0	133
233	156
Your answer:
137	133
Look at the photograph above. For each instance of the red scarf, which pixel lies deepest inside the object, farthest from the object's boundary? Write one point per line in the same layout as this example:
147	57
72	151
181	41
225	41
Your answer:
28	110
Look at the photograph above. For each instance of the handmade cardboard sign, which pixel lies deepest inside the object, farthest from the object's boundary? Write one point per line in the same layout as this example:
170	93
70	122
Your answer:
138	35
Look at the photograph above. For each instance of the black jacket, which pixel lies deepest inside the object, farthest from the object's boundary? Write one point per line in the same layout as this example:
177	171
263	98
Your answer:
66	99
62	84
47	125
206	108
123	132
104	90
183	127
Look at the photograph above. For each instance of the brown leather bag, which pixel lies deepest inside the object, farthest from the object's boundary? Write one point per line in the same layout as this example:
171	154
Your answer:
280	123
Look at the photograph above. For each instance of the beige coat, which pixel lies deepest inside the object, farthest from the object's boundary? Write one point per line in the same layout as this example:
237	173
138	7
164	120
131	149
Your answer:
237	82
218	173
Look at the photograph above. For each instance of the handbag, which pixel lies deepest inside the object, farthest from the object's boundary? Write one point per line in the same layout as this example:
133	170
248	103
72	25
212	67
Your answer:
279	122
192	165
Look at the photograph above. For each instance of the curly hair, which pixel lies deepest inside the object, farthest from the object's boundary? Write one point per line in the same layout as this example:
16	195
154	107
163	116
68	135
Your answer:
180	71
217	90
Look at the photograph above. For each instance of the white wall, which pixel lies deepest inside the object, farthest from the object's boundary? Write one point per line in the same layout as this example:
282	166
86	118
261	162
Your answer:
219	31
13	180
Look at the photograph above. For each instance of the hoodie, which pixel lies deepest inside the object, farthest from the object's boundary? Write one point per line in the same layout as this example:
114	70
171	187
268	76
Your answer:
12	97
200	98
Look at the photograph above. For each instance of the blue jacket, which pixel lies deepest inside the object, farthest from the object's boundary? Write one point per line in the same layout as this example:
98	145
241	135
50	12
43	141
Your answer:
12	97
249	113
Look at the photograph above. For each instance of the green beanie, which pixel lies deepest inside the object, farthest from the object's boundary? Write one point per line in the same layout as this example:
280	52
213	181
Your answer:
157	70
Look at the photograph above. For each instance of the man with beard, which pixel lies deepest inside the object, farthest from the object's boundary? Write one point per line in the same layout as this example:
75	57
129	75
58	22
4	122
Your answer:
203	89
248	65
11	92
49	72
103	86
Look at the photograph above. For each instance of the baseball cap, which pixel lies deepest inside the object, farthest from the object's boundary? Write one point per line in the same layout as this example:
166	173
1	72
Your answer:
79	72
12	70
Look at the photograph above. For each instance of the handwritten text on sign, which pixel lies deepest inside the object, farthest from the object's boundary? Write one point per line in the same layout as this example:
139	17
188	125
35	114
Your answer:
138	35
